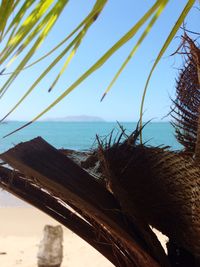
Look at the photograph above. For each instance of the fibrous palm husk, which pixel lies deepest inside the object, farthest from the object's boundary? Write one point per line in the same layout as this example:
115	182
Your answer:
156	187
185	110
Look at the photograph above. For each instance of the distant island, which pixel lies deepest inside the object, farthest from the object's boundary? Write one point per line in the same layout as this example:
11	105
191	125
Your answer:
82	118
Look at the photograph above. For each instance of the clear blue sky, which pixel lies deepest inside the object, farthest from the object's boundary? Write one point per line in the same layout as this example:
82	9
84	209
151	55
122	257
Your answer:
123	101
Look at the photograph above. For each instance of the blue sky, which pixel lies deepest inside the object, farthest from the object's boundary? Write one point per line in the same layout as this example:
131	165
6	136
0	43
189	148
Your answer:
123	101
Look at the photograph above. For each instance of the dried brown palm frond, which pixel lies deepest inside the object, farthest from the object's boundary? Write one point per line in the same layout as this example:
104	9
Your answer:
156	187
185	110
53	182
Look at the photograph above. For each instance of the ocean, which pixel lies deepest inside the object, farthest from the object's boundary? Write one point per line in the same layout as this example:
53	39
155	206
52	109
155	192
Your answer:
79	136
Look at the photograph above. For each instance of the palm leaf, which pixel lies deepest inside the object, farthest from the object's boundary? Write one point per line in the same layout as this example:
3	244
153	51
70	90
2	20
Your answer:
74	43
25	29
45	30
44	73
6	9
99	4
133	51
49	18
92	16
18	17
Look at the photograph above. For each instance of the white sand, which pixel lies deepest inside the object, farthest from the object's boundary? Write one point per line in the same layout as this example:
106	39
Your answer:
21	232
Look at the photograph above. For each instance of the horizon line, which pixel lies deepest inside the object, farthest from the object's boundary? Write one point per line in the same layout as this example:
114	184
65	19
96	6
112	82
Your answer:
103	121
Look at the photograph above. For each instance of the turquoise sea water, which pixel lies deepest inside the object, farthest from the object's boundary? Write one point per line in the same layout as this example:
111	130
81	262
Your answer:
79	136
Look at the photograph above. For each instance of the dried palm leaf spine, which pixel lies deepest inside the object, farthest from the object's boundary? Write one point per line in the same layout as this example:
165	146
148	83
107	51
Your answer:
185	111
195	58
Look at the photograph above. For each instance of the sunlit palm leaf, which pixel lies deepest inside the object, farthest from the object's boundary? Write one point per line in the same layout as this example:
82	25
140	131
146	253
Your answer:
47	70
177	25
25	29
6	9
75	43
99	4
57	10
93	14
18	17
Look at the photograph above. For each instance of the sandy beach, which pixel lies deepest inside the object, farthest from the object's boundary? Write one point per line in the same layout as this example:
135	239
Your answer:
21	230
20	234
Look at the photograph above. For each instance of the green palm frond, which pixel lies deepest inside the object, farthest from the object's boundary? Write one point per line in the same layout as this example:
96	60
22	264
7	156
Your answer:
133	51
33	21
18	17
6	9
16	41
43	29
92	16
73	44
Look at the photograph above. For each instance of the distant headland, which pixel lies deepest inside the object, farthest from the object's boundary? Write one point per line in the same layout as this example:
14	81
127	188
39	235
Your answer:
81	118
